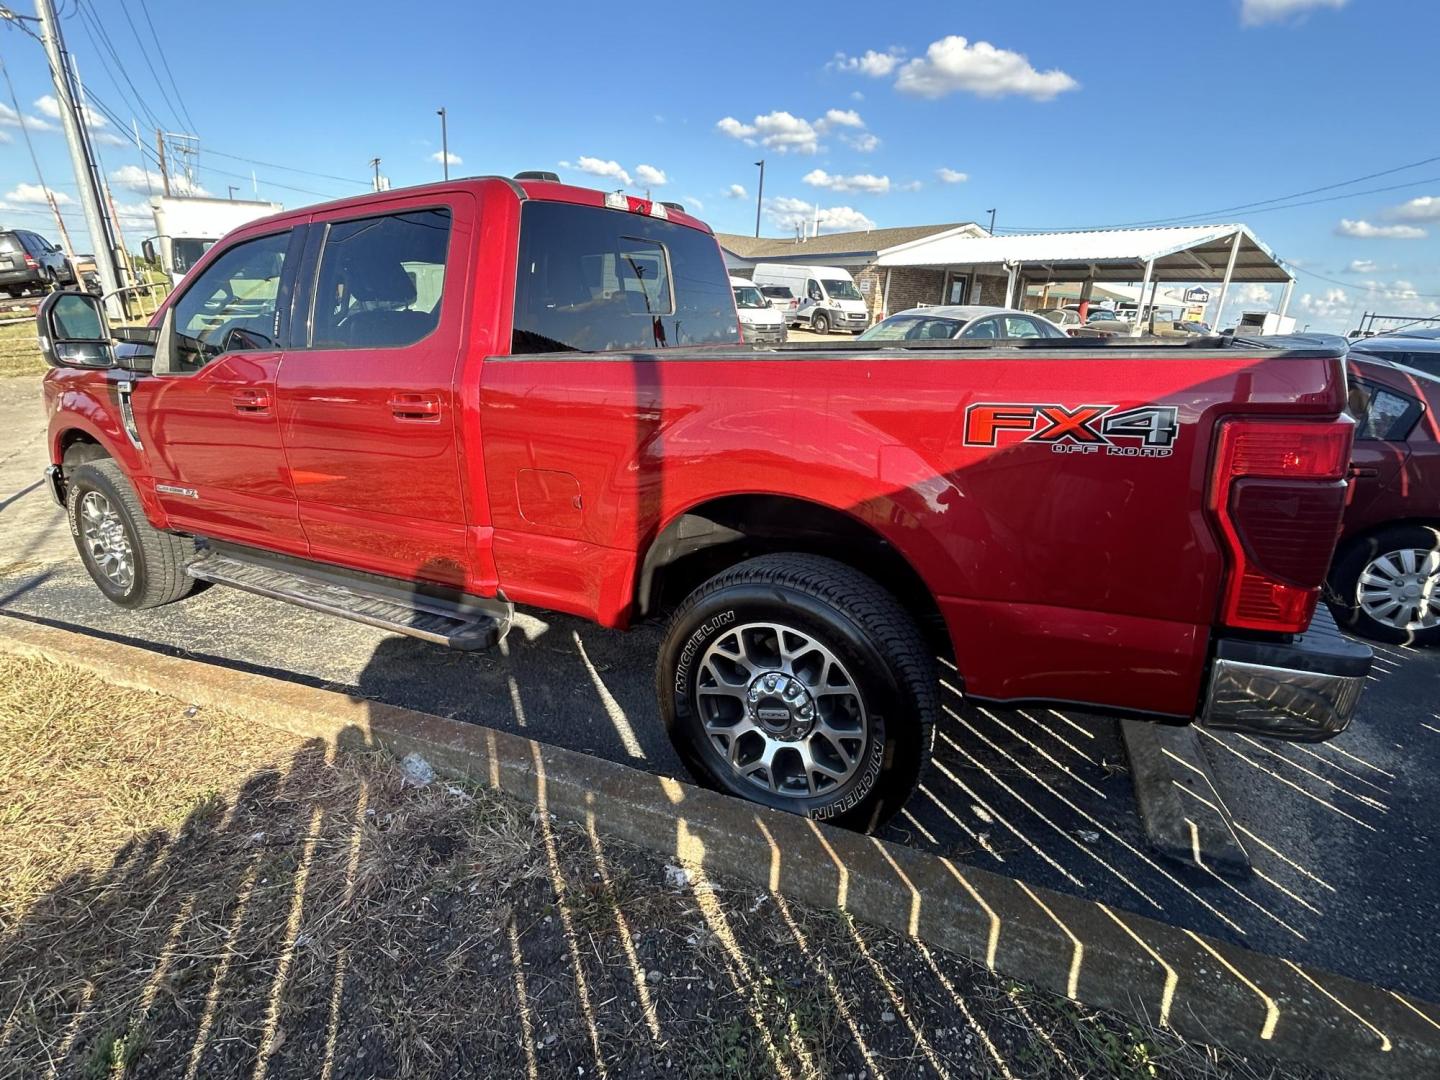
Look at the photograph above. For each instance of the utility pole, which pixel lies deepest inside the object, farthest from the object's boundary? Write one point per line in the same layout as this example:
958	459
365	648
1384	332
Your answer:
82	157
164	172
992	221
444	143
375	164
759	195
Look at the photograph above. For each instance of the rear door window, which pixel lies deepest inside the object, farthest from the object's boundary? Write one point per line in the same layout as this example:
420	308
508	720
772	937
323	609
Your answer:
381	280
595	280
1382	414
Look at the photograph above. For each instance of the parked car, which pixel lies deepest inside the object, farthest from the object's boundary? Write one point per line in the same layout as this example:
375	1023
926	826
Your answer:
550	416
760	323
829	299
1385	581
1068	320
784	301
1417	349
961	321
30	263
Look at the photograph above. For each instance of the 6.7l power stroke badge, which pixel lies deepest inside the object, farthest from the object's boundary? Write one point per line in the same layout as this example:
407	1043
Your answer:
1144	431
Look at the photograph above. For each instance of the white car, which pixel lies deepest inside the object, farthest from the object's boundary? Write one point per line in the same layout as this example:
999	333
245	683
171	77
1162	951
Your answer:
961	321
760	322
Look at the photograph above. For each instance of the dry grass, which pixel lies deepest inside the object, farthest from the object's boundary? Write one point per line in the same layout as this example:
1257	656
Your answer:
186	894
19	352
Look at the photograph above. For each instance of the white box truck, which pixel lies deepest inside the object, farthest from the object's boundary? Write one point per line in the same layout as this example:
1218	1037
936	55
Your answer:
1264	323
186	227
828	297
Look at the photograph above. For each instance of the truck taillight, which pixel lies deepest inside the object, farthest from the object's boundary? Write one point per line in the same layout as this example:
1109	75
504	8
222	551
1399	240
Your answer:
1278	494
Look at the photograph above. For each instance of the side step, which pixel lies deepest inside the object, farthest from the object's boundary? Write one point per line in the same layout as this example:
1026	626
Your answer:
462	622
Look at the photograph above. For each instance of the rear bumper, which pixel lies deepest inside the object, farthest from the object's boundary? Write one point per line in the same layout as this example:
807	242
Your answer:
1304	690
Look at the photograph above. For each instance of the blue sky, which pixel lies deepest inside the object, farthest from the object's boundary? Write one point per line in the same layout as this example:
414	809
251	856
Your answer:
1057	114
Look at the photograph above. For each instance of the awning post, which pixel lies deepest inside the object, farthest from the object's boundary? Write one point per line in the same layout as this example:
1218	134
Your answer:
1225	284
1285	297
1014	269
885	296
1140	306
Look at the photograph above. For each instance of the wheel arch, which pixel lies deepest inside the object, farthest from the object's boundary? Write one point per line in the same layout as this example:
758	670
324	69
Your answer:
713	535
1359	539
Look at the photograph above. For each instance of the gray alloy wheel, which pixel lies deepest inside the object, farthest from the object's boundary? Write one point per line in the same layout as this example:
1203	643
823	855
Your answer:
782	710
1401	589
103	531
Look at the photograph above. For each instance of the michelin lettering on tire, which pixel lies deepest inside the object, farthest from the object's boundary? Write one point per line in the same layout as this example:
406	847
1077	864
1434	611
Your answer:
72	509
693	645
863	785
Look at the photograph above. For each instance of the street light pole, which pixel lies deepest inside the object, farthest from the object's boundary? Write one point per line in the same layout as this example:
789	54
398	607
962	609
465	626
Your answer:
992	221
759	195
444	143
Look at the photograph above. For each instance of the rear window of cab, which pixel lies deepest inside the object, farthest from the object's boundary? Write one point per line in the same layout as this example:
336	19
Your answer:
596	280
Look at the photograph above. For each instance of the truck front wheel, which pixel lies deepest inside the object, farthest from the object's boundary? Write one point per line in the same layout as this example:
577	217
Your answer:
135	564
820	323
798	682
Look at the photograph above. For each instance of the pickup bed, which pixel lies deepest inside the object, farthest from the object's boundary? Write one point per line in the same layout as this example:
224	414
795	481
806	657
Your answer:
420	408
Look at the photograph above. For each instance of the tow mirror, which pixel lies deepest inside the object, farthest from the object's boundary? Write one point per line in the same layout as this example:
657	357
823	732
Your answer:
147	248
74	331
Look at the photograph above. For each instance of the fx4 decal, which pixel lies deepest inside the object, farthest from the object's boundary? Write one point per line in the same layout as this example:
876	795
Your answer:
1145	431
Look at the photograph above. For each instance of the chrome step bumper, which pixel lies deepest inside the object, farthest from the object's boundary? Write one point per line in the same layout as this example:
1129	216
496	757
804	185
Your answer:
1304	690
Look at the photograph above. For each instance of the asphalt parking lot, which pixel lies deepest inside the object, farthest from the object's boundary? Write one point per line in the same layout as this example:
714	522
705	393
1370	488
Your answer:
1342	835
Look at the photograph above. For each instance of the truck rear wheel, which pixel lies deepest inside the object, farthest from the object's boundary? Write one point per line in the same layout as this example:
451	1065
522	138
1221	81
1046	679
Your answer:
798	682
1386	586
134	564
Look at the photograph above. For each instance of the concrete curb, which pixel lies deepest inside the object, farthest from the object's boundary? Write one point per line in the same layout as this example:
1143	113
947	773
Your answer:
1184	816
1201	988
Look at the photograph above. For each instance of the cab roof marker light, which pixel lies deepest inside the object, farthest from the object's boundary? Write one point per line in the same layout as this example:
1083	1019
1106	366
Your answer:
658	210
616	200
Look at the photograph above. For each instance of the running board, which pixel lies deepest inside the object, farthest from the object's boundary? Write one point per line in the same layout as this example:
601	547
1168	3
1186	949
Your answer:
463	622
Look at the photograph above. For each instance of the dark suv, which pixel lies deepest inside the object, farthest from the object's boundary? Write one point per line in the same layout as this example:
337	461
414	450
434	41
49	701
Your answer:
29	261
1385	581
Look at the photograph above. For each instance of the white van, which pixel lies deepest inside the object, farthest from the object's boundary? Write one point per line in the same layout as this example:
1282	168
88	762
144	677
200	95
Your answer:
759	320
829	299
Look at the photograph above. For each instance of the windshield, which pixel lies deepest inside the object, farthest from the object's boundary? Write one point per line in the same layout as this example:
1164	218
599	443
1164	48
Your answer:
748	296
1102	313
185	252
840	290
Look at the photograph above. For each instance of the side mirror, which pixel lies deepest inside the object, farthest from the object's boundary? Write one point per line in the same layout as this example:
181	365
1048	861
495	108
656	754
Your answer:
147	248
74	331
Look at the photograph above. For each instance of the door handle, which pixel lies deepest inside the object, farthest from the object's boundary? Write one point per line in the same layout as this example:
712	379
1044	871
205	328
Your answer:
251	401
415	408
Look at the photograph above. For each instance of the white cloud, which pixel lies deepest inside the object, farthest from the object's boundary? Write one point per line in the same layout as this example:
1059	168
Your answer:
1333	303
909	185
601	167
953	64
649	174
49	108
1362	266
1256	12
144	182
5	137
693	202
1423	208
784	132
868	182
10	118
790	214
1364	230
450	158
951	176
34	195
737	191
875	64
865	142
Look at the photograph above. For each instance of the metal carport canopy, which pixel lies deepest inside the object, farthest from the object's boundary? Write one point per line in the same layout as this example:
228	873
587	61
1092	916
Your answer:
1178	253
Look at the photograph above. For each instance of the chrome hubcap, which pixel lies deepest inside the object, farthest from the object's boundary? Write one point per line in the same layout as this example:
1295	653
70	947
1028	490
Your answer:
104	534
1401	589
781	710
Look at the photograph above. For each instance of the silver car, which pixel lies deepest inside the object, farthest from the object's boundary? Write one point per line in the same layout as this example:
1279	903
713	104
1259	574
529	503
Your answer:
961	321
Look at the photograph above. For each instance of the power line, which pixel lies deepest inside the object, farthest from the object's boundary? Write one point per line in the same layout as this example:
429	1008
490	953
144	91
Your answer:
1179	218
139	104
145	54
165	62
287	168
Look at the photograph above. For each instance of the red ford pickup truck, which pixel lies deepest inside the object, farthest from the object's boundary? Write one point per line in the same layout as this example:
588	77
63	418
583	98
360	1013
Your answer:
419	408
